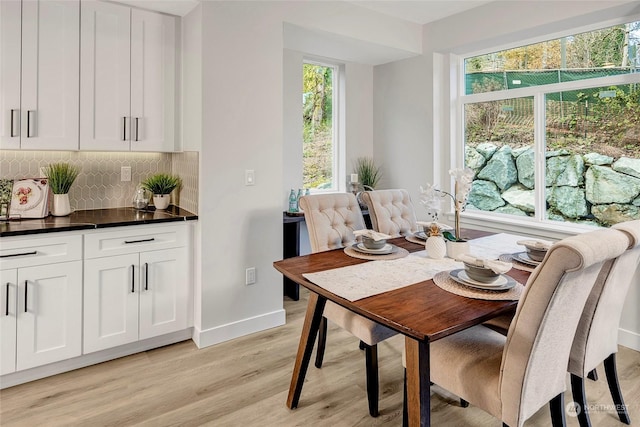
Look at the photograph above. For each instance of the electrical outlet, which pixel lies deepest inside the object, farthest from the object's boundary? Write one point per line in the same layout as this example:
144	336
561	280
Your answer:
125	173
250	276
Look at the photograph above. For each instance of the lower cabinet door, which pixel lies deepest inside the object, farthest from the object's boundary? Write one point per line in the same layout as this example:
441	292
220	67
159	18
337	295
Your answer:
8	293
164	290
49	314
110	301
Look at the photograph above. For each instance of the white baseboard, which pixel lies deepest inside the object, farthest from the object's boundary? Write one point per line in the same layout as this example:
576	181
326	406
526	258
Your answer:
229	331
32	374
629	339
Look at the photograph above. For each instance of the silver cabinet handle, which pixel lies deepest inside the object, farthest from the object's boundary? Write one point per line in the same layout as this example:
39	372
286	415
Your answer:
13	123
146	276
30	124
133	278
137	126
6	304
26	292
124	128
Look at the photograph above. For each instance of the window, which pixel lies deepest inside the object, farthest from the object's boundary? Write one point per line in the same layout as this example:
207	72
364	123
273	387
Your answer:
552	129
320	148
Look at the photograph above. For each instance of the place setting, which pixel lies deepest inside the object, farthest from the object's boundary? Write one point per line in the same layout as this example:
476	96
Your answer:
481	279
373	245
529	259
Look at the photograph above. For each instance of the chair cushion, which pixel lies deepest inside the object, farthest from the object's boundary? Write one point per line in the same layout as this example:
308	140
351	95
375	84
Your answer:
364	329
391	211
468	365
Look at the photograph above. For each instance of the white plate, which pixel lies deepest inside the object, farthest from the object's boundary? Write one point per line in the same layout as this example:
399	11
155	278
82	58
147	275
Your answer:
386	249
27	195
503	282
524	258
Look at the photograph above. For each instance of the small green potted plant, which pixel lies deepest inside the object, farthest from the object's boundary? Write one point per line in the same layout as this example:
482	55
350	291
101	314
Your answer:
61	176
368	172
161	185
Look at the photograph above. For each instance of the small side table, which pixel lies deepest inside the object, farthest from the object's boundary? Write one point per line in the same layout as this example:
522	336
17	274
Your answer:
291	246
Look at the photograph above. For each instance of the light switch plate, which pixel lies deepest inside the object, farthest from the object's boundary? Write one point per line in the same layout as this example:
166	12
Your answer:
249	177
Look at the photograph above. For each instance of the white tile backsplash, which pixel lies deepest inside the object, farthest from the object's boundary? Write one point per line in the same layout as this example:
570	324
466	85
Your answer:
98	185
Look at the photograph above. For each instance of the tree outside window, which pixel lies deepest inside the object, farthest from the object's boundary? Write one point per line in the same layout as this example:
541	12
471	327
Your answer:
319	158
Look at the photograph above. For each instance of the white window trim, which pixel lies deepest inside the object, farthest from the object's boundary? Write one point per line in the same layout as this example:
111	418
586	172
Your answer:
338	181
537	225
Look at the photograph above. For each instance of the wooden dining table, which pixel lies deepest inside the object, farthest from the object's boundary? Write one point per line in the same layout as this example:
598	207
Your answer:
422	312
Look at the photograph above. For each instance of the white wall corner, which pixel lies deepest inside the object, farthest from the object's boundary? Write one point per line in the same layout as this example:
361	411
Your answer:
229	331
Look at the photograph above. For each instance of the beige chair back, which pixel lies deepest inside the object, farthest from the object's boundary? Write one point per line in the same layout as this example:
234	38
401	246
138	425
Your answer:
391	212
331	220
597	334
536	354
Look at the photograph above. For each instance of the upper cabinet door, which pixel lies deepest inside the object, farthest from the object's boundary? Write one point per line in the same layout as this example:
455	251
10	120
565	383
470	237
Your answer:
50	74
105	77
153	81
10	21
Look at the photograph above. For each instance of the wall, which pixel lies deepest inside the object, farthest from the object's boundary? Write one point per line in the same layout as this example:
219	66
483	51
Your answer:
485	28
244	60
98	185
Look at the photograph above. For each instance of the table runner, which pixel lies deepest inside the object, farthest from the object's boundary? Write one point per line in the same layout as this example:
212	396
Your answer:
364	280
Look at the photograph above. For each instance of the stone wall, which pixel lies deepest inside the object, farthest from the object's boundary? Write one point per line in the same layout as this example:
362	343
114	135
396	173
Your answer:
590	188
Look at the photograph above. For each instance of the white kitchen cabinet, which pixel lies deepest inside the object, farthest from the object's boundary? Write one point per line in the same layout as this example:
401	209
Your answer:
42	310
39	74
140	290
128	79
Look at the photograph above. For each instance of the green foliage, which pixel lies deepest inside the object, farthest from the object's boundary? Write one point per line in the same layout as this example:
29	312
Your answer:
61	176
368	173
162	183
317	126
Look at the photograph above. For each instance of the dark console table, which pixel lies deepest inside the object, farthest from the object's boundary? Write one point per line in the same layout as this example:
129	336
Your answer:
291	246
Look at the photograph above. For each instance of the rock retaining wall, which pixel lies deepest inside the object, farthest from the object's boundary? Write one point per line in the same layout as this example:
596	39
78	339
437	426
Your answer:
590	188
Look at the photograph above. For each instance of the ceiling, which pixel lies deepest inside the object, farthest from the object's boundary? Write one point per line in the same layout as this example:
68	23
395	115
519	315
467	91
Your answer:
418	11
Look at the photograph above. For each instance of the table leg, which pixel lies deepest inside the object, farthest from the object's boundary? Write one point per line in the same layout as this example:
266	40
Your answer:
312	319
418	377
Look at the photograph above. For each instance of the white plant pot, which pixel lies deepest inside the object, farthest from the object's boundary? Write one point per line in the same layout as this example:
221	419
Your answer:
161	201
60	205
455	249
435	247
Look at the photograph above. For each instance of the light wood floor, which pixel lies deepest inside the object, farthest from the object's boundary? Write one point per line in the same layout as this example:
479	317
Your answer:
244	383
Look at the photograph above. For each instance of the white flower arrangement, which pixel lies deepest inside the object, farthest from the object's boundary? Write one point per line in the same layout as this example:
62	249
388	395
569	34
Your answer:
430	196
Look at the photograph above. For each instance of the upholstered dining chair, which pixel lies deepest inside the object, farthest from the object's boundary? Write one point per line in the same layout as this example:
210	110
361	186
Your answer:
331	220
391	211
512	377
596	339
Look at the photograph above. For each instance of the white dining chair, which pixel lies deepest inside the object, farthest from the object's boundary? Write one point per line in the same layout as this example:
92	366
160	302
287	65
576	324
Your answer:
391	211
596	339
512	377
331	220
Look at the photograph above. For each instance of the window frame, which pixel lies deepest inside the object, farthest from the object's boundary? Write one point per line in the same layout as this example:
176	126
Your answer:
538	222
338	163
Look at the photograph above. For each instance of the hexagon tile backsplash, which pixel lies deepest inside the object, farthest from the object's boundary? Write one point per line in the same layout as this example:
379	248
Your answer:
98	185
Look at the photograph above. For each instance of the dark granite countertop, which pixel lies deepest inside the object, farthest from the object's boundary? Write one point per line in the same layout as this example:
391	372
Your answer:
94	218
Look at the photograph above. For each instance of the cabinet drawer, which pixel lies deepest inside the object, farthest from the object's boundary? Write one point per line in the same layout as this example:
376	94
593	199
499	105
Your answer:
134	239
45	250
